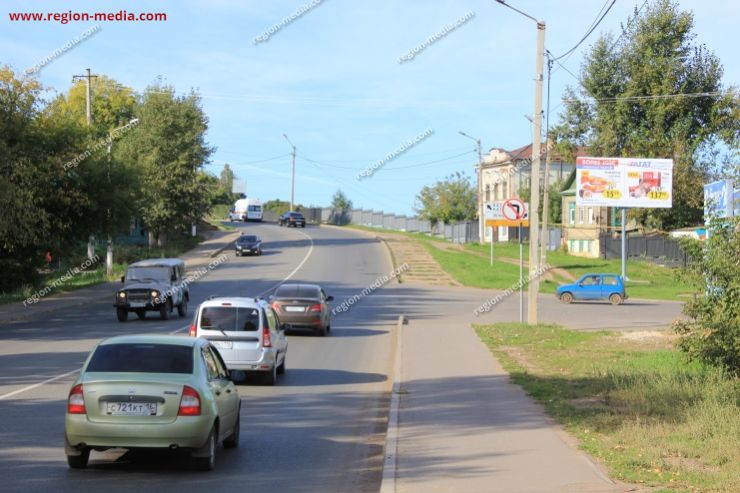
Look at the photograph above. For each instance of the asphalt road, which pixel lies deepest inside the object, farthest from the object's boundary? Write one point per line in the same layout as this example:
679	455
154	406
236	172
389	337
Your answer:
320	429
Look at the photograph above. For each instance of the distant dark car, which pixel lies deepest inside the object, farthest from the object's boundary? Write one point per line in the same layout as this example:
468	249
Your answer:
303	306
294	219
594	287
248	245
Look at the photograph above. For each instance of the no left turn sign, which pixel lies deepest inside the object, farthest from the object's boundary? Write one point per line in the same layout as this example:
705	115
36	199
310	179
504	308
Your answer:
514	210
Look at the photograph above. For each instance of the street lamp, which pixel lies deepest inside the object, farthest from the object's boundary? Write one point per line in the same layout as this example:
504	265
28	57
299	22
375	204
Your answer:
534	217
109	249
292	179
480	185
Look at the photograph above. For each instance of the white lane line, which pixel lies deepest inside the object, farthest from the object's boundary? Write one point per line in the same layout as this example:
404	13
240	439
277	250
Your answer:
310	250
50	380
179	330
36	385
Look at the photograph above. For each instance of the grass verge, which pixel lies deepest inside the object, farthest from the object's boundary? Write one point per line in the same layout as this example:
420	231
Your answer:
636	405
122	254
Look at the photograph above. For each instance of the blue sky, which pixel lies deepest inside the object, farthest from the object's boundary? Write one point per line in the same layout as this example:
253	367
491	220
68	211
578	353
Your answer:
331	79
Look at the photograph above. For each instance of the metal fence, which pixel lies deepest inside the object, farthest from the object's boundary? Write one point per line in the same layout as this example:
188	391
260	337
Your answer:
659	249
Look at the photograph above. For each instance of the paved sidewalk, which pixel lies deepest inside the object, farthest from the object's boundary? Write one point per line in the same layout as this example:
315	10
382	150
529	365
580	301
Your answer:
464	427
200	256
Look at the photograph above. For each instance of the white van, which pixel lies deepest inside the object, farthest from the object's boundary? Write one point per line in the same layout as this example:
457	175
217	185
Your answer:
254	210
239	211
247	333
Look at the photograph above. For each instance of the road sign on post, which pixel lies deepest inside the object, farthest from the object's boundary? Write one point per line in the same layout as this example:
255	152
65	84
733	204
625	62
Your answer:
509	212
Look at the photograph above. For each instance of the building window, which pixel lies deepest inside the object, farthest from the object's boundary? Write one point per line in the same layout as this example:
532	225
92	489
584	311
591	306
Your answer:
504	187
488	193
580	215
590	215
572	213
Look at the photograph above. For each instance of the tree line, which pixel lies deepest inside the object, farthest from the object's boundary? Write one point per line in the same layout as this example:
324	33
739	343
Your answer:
62	180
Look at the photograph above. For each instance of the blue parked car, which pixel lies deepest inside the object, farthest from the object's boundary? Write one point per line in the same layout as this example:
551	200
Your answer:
594	287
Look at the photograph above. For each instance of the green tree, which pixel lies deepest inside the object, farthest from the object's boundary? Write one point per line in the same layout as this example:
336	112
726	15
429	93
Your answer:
614	113
169	150
340	202
450	200
554	198
225	186
711	330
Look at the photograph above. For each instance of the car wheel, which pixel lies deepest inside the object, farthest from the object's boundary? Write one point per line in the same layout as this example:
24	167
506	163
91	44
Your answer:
328	328
259	252
208	462
79	461
616	299
303	225
164	310
232	441
182	308
122	314
141	314
269	378
281	368
322	331
566	298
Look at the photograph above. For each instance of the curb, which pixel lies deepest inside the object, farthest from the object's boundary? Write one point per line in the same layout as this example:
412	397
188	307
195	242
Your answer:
390	449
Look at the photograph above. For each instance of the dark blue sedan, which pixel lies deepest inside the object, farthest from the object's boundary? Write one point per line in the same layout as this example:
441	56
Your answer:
594	287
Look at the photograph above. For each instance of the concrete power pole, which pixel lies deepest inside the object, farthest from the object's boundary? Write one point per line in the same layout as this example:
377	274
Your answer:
88	113
534	219
88	100
292	179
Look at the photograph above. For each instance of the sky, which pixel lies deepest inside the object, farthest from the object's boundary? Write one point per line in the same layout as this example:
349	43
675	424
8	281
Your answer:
332	82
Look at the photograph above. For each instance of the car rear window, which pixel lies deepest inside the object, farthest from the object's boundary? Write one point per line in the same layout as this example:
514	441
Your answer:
297	292
230	319
142	358
296	215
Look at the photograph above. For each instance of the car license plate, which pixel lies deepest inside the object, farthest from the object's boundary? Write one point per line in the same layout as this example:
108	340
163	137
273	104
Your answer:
223	344
294	309
131	408
137	305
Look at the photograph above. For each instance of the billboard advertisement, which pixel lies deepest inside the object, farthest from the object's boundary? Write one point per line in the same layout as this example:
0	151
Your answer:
624	182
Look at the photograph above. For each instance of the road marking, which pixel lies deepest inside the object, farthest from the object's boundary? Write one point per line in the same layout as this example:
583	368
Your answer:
36	385
310	250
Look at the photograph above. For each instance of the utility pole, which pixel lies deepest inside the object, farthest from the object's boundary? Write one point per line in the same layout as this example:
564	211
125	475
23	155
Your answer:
88	106
481	225
292	179
88	113
534	220
546	182
534	217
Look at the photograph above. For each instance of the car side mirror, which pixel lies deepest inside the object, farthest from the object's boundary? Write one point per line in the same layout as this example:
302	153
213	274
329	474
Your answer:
330	298
123	279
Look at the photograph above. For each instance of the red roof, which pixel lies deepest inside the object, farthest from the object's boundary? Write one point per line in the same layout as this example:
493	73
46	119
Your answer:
525	152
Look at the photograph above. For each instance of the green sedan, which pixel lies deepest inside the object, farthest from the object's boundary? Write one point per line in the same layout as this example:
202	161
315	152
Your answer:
151	391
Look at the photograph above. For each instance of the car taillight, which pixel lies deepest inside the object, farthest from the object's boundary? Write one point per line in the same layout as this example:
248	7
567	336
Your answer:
189	402
193	330
266	340
276	306
315	308
76	400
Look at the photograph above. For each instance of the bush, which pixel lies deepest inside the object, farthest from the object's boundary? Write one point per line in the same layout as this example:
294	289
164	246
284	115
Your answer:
711	331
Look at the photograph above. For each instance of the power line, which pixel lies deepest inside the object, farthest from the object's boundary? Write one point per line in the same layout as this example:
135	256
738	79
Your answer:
588	33
656	97
416	165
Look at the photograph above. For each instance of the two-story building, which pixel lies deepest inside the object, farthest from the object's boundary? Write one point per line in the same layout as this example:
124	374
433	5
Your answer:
505	173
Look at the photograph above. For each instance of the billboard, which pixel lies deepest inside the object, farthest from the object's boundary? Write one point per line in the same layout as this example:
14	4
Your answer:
718	199
624	182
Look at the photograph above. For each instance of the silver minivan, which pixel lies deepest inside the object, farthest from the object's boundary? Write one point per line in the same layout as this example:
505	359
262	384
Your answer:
247	333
